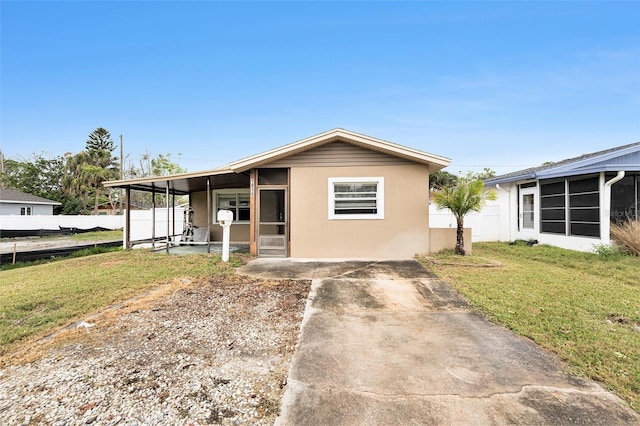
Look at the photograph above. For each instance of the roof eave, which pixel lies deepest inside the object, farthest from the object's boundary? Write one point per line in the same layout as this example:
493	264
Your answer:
572	168
591	170
510	179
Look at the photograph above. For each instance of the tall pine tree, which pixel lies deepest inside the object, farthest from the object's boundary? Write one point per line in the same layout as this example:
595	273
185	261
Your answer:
99	140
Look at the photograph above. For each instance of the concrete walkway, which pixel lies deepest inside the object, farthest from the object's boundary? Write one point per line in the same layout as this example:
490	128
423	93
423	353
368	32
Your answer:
387	343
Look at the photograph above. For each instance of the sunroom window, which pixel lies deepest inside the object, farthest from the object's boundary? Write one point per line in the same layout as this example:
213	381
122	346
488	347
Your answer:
575	200
356	198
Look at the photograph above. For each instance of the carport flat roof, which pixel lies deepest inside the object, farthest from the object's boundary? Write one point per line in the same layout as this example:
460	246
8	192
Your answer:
185	183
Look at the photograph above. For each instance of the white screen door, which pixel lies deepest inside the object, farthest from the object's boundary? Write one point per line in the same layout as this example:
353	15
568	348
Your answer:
528	212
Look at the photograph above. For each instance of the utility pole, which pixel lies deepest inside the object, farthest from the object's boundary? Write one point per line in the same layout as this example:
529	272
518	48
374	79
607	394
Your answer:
1	169
121	170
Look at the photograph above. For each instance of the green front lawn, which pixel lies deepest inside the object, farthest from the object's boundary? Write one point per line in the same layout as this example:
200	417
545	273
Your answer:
35	300
583	307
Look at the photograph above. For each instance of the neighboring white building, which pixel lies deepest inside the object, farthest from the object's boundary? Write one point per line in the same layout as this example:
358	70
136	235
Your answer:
570	203
14	202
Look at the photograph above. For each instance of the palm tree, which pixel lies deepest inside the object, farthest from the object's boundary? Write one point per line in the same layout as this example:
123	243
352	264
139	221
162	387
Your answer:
85	173
93	176
465	197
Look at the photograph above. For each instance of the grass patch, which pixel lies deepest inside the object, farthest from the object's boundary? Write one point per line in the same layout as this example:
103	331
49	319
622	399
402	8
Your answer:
79	253
98	236
450	258
581	306
38	299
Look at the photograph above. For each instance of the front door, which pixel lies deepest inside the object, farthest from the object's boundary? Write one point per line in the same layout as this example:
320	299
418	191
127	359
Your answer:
272	230
528	213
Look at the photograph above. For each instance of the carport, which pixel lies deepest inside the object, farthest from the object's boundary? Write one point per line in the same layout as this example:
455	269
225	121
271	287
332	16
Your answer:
177	185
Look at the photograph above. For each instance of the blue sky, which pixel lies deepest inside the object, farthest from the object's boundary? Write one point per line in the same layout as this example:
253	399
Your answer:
505	85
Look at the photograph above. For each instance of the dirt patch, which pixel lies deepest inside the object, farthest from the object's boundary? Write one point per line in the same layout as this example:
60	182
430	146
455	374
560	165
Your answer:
466	261
621	320
194	352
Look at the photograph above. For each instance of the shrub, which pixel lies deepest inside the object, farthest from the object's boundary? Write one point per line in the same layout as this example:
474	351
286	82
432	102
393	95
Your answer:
606	250
627	235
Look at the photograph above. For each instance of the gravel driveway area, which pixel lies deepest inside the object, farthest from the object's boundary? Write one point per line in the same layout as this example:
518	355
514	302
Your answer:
193	352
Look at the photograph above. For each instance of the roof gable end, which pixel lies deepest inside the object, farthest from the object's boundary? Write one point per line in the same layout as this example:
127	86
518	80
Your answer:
340	135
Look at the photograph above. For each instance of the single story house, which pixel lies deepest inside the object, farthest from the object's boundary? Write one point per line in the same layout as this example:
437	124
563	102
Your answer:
14	202
338	194
570	203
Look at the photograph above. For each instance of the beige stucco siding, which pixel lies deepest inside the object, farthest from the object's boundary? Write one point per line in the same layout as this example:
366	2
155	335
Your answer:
198	201
445	238
239	231
402	233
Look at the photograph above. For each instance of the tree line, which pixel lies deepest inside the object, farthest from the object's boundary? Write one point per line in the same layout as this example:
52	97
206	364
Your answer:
443	179
75	180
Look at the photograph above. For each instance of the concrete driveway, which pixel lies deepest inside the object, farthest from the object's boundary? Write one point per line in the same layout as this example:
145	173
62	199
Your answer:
388	343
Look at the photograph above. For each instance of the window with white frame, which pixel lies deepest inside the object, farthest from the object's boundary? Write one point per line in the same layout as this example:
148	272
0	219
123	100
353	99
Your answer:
236	201
356	198
25	211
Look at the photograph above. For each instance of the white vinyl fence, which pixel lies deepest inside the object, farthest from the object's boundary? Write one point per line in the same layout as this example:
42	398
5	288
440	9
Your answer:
485	226
141	220
35	222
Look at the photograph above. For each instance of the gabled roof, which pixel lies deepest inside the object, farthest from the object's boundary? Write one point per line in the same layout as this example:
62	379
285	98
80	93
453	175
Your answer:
368	142
621	158
189	182
13	196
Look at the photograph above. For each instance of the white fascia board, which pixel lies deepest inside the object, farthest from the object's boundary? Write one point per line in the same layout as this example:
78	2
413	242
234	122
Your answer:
584	164
591	170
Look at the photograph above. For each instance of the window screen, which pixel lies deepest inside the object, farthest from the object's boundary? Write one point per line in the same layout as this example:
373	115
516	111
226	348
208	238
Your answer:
624	197
573	202
237	202
356	198
553	207
584	206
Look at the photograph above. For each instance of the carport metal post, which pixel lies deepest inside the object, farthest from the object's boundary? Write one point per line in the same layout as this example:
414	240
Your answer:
166	192
173	214
127	236
209	219
253	251
153	216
